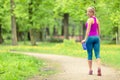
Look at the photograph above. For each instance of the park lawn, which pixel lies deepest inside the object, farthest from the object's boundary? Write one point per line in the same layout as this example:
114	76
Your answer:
110	54
20	67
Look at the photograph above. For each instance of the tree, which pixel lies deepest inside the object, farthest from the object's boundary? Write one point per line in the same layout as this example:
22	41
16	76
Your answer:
66	20
1	38
33	42
1	16
56	15
13	23
73	9
115	17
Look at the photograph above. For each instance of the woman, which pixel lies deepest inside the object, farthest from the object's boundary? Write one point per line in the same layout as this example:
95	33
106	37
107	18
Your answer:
92	39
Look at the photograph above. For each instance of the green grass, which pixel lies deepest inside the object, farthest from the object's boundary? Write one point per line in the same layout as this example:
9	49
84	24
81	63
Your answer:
19	67
110	54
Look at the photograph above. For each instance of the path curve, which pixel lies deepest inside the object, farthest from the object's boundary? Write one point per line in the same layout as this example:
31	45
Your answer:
73	68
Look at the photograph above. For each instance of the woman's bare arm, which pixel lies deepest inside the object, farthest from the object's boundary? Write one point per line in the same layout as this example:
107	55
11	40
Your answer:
90	21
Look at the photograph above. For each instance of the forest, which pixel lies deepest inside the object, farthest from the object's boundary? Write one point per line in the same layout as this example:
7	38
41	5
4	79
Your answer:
55	20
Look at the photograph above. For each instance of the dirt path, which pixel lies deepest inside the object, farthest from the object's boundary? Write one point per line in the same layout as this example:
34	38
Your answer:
75	69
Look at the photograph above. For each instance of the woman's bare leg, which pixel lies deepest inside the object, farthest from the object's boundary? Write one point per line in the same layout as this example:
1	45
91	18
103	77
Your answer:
90	67
99	66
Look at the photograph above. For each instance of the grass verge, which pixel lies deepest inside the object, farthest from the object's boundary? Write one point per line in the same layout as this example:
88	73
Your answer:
110	54
20	67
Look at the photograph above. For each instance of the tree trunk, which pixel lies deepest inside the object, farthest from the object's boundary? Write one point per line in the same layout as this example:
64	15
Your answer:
55	32
1	38
41	35
118	35
83	30
94	1
28	35
32	39
73	30
66	33
19	34
47	31
62	30
13	24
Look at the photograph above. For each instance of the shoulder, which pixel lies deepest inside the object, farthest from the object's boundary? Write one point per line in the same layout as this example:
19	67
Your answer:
90	20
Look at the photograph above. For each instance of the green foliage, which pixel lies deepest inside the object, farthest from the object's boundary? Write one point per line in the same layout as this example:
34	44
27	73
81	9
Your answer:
55	40
18	67
68	43
5	15
49	13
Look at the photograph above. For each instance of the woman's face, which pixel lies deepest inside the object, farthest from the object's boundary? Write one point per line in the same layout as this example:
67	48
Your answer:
89	13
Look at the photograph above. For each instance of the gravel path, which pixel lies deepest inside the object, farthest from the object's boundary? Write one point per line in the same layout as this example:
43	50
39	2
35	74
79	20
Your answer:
73	68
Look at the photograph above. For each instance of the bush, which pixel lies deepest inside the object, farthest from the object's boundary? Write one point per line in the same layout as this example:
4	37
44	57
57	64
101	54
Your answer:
55	40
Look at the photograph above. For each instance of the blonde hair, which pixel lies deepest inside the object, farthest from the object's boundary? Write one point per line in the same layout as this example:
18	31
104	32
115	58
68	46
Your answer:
91	9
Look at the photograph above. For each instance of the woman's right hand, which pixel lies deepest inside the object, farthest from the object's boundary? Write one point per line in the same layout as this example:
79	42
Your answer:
83	41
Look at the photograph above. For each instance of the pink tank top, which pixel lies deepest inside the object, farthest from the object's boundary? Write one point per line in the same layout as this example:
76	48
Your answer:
94	28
